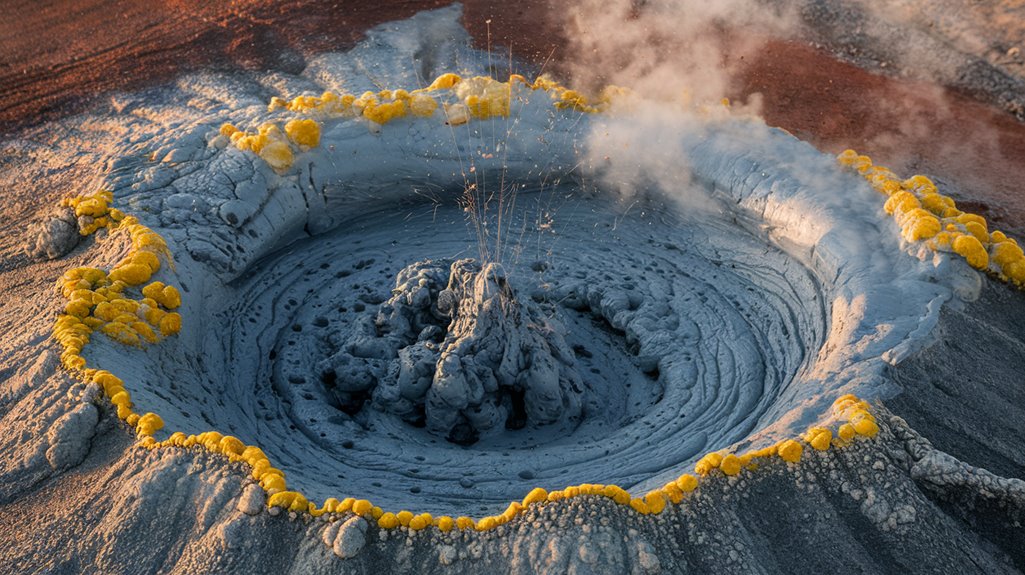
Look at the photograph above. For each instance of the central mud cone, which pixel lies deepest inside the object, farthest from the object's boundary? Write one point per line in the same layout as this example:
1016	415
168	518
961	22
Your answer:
497	344
464	359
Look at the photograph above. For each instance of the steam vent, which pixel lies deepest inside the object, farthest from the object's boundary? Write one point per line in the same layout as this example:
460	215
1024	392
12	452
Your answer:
597	287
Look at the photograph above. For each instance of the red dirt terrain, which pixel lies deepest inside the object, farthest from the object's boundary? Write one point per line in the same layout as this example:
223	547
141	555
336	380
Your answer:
906	125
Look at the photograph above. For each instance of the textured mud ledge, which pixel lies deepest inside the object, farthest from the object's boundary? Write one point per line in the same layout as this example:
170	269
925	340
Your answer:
891	502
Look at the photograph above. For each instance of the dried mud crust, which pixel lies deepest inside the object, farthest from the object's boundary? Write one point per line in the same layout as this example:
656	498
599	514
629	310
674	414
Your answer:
827	514
965	391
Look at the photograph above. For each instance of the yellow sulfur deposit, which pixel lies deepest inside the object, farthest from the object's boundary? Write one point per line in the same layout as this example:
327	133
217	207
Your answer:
422	521
273	482
639	506
388	521
926	215
730	464
971	249
706	464
146	258
278	155
687	483
672	492
901	201
271	143
864	423
290	501
511	511
303	132
232	446
790	451
385	112
131	274
536	495
443	82
171	324
1006	253
484	97
463	99
97	301
919	224
149	424
655	502
362	507
164	295
819	438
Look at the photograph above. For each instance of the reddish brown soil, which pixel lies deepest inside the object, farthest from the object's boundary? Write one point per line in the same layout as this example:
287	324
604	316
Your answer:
908	126
55	56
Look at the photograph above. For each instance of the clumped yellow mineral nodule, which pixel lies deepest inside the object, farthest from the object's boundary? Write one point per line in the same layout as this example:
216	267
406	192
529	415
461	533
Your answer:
819	438
536	495
926	215
304	132
730	464
707	463
149	424
687	483
388	521
444	82
445	523
362	507
655	502
790	451
971	249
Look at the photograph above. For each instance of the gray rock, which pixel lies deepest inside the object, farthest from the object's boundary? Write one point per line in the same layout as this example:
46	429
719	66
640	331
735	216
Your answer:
70	436
54	236
351	538
252	500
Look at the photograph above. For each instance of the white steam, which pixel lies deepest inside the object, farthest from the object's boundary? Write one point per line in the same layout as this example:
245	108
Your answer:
677	58
671	49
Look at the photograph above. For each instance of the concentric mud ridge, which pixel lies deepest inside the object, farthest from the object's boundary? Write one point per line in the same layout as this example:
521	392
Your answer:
684	344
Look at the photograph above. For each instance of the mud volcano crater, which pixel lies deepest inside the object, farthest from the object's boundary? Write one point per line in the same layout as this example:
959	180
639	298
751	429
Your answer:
338	314
617	346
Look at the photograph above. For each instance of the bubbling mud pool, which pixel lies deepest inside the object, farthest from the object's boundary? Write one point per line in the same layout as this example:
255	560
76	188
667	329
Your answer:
683	335
725	307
